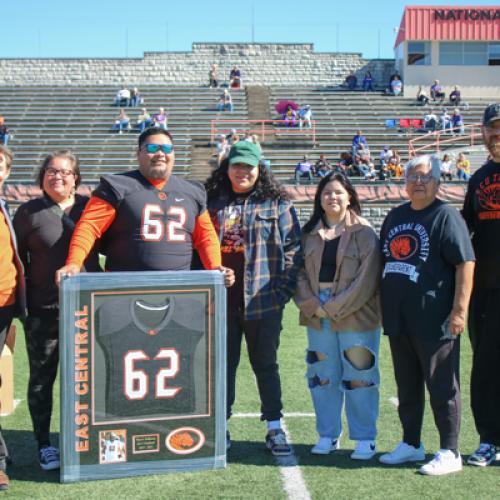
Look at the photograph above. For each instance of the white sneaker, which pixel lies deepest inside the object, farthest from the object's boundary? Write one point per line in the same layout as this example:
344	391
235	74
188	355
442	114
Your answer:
403	453
325	445
364	450
444	462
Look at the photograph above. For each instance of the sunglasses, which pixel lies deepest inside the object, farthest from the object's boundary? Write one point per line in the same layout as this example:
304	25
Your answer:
154	148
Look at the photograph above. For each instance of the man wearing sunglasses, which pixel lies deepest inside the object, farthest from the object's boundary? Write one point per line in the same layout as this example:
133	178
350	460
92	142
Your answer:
151	219
482	214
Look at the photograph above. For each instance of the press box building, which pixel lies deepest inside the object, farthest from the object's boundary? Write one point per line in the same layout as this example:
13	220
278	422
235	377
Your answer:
455	45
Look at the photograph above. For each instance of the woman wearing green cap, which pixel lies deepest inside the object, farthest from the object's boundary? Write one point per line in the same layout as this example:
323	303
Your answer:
260	239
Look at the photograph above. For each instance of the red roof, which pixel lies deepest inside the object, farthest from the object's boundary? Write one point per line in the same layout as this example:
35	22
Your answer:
461	23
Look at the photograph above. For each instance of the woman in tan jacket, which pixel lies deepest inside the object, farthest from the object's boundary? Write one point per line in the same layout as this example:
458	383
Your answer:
337	294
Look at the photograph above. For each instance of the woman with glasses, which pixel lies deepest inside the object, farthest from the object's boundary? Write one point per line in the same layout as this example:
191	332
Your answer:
426	284
337	294
44	227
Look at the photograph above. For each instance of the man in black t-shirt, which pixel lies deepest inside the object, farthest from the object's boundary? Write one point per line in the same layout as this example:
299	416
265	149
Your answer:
426	285
482	214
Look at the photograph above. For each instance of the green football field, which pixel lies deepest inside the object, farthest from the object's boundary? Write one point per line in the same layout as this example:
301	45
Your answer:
252	472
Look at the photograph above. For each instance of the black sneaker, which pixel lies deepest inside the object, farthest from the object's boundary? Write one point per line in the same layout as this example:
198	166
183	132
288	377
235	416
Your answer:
277	444
49	458
484	455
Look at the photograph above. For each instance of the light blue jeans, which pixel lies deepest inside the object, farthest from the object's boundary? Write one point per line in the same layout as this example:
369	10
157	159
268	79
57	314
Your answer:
329	380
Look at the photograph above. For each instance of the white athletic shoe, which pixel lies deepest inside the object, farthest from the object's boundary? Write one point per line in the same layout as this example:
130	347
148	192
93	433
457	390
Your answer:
403	453
364	450
444	462
325	445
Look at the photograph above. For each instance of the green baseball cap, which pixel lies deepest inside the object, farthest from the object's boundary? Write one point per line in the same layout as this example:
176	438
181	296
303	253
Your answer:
245	152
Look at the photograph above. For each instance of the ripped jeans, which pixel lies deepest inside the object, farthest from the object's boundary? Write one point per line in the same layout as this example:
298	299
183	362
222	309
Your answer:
344	366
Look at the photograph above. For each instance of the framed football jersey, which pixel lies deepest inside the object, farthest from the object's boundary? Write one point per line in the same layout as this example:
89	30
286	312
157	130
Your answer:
143	383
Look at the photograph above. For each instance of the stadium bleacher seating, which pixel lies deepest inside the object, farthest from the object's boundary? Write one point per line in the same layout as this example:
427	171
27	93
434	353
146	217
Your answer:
44	119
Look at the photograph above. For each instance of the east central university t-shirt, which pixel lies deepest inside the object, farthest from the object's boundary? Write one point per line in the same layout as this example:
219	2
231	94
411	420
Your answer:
421	249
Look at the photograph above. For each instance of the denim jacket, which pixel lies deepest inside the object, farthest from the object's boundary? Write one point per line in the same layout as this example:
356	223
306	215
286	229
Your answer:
272	252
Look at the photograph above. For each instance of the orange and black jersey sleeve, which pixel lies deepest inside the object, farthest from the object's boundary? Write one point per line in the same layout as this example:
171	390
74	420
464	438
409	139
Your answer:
147	225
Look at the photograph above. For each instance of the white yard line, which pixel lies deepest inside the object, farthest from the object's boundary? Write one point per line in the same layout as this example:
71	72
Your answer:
288	414
291	475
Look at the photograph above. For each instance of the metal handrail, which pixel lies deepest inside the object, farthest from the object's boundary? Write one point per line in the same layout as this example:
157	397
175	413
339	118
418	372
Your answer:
264	128
471	132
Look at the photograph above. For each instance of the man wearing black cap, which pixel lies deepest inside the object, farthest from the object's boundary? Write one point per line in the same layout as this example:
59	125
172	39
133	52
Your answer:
482	214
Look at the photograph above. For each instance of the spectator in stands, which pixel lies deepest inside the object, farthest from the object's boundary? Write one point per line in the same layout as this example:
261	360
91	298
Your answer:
383	172
235	78
422	97
455	96
160	119
394	76
123	97
345	163
457	122
135	97
213	81
144	120
385	155
430	121
12	287
463	167
223	148
4	132
445	120
337	295
305	114
396	157
426	285
396	86
256	141
43	228
322	167
290	117
122	122
445	168
225	102
368	82
365	166
233	137
394	166
303	170
260	240
437	91
351	81
358	140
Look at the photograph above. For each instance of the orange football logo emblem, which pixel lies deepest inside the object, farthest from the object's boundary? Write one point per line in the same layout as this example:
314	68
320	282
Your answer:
185	440
402	247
